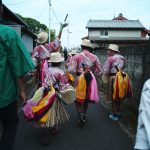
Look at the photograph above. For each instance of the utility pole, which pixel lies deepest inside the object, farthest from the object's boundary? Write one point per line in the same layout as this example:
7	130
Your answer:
49	20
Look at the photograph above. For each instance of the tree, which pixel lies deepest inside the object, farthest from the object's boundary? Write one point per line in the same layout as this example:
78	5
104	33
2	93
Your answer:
35	26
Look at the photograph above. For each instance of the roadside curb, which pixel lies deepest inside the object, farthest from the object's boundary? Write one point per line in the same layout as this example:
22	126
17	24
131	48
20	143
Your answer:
123	127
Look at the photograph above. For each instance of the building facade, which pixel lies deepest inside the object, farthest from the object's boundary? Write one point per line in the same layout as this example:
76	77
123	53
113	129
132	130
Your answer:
117	30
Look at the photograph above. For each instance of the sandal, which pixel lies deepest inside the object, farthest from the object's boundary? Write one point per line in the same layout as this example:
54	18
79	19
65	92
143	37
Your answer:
55	130
81	120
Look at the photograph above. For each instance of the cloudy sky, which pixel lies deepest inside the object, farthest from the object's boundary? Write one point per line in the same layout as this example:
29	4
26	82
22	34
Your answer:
79	12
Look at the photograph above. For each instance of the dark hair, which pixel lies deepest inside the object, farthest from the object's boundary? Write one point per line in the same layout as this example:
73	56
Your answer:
55	64
113	51
90	49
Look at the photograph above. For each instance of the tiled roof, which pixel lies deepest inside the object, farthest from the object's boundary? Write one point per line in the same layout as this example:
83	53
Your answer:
95	38
114	24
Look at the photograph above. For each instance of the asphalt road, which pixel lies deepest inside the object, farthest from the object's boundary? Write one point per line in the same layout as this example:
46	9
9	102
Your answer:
99	133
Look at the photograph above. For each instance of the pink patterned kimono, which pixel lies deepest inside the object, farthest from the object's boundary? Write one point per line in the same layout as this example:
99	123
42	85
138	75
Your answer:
112	61
89	64
43	53
79	62
55	76
51	47
110	69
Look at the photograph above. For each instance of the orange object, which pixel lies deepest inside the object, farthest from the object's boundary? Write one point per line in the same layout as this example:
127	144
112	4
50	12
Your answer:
69	76
81	88
122	86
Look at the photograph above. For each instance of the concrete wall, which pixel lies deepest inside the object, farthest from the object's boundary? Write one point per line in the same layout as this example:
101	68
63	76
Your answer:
138	67
117	33
17	28
126	33
28	41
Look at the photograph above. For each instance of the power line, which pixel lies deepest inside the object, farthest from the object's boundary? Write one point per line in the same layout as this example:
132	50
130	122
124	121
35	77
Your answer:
42	11
18	3
55	16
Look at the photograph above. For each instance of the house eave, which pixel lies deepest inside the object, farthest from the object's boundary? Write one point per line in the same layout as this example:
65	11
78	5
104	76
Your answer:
119	40
117	28
25	30
8	12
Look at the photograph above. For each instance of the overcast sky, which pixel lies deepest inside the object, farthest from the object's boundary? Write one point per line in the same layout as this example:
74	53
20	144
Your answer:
79	12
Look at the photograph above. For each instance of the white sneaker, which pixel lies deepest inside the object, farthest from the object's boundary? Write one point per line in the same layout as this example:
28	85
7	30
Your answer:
114	117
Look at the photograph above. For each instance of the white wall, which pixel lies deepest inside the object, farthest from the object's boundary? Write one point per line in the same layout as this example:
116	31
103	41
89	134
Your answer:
17	28
118	33
124	33
28	41
94	33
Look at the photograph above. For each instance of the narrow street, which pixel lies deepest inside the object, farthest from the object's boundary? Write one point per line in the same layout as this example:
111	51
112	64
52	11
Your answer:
104	45
99	133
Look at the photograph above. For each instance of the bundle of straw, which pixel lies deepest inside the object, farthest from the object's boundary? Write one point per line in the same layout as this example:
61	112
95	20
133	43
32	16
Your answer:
56	115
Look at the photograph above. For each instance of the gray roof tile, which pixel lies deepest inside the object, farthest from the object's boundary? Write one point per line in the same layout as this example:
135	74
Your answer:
114	24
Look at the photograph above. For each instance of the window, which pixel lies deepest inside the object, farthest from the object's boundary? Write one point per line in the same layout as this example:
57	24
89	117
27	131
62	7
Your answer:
103	33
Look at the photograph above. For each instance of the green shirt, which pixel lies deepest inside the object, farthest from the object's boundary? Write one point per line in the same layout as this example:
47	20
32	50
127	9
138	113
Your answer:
15	61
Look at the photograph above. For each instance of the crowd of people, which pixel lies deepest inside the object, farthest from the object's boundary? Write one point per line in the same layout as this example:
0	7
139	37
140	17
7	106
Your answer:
78	79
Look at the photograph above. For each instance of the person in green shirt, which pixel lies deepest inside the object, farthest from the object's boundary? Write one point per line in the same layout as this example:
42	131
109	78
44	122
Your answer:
15	62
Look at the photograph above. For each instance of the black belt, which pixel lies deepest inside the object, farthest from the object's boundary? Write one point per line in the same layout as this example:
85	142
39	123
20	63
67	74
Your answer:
78	73
112	74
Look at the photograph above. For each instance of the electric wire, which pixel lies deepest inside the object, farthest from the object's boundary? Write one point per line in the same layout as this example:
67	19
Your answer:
42	11
18	3
55	16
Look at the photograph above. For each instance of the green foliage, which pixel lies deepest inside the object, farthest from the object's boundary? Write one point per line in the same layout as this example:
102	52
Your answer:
36	26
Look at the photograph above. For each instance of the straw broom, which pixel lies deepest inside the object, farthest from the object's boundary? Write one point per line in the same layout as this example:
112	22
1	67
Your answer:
56	115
